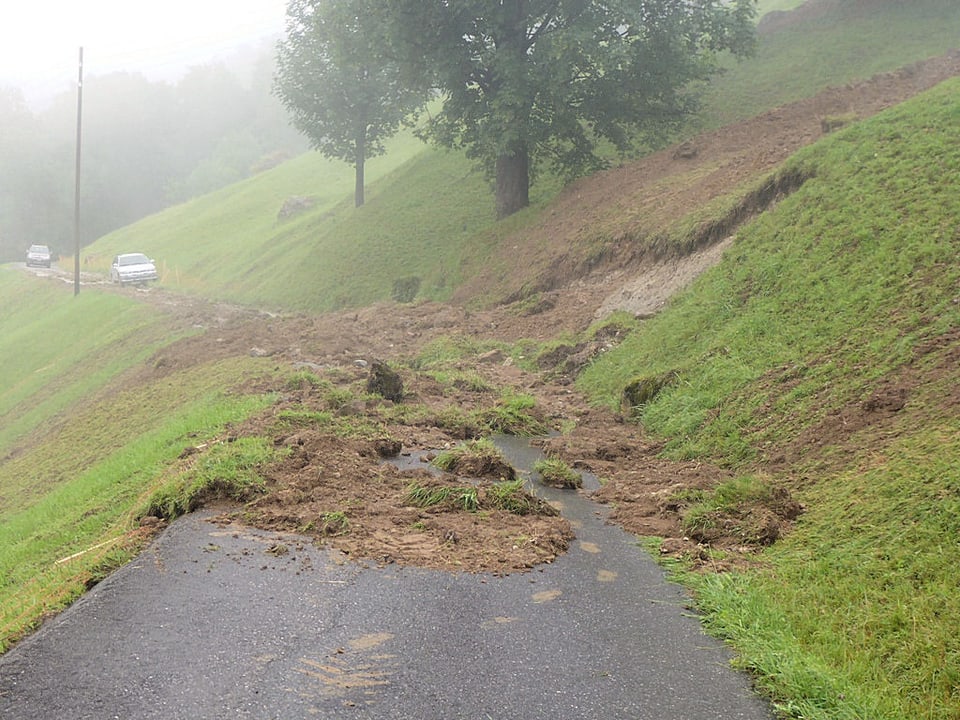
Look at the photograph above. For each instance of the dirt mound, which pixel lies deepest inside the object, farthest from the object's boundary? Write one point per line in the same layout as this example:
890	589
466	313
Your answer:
342	491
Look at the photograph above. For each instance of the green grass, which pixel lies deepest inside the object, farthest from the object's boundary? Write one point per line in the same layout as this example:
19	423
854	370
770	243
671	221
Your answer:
54	543
832	279
58	349
822	299
556	473
232	244
230	470
458	497
90	425
481	452
854	40
859	614
847	287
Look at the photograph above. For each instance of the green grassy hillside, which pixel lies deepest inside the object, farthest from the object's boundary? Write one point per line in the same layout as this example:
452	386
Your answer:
92	426
831	43
822	355
429	214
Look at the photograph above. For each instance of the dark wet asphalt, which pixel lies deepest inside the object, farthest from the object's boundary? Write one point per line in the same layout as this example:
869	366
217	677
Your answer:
208	624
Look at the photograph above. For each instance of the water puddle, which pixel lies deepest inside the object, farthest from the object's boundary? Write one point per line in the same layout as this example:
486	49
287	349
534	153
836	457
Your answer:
518	451
523	454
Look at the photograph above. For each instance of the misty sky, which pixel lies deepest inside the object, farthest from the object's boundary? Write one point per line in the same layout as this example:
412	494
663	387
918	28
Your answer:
40	39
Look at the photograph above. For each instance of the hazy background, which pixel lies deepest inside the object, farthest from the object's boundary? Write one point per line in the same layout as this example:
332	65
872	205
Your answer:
39	41
176	102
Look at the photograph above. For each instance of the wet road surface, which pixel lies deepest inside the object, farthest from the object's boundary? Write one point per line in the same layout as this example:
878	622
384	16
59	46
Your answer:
217	622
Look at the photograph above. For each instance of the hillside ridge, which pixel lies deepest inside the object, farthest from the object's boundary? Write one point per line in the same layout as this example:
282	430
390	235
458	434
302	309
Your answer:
602	240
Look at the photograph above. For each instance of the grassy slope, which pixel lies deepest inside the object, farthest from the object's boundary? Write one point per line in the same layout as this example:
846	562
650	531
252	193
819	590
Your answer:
83	443
833	297
850	41
58	350
429	214
231	245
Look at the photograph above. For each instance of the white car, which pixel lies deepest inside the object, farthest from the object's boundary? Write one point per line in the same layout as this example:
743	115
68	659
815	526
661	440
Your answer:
132	268
38	256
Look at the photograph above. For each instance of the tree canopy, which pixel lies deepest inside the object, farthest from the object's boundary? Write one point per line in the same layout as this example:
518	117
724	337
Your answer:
341	92
531	81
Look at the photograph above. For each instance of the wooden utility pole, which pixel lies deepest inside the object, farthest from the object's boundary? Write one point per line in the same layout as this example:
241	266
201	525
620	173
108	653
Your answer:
76	195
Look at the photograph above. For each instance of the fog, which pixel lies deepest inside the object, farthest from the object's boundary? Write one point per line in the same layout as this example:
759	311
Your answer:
39	42
172	110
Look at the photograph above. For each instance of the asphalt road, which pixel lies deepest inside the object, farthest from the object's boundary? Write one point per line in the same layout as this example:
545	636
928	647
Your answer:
211	622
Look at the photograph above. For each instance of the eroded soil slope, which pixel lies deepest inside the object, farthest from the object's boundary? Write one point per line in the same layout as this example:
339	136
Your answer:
342	491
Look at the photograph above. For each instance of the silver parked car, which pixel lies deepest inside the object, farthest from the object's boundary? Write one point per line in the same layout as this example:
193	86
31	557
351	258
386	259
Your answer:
38	256
132	268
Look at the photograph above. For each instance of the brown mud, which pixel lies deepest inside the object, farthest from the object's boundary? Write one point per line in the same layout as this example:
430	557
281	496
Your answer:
341	490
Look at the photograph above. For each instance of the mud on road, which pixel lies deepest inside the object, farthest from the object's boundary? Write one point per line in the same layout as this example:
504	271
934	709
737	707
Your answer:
325	474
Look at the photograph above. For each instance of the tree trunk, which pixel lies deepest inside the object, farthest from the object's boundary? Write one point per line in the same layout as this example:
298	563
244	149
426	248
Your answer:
513	163
361	149
513	182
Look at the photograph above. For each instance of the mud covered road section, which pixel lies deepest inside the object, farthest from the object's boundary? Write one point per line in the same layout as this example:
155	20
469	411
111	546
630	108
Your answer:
325	475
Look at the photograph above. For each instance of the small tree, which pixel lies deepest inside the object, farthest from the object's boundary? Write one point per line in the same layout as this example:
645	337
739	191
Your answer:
340	91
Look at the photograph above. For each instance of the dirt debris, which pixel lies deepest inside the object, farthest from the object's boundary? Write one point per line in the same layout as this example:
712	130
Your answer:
341	490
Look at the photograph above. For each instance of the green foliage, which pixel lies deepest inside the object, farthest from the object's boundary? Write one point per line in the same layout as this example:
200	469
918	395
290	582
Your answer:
302	417
512	497
302	379
405	289
468	380
333	523
459	497
512	415
341	91
480	451
556	473
445	351
545	85
705	507
227	470
509	496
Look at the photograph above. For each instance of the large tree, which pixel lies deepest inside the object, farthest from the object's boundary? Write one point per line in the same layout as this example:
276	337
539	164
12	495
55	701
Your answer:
340	91
528	81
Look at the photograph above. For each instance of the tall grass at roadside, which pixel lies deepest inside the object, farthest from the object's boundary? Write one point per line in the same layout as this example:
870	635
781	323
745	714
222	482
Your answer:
58	349
52	547
847	287
858	614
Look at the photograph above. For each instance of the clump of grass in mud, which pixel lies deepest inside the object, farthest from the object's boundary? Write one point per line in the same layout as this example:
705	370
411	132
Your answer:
302	417
466	380
512	497
746	507
460	497
301	380
226	470
509	496
514	415
334	522
445	352
476	458
457	422
556	473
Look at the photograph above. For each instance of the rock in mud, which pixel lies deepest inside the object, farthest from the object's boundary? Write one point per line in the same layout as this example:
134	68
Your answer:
385	382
